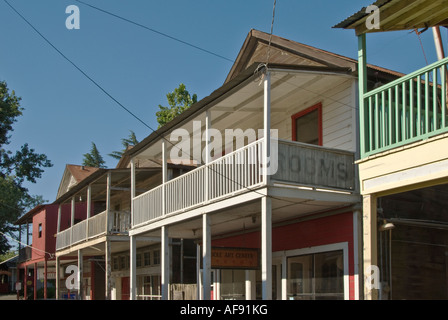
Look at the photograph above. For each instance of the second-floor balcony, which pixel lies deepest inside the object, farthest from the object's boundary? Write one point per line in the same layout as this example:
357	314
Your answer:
409	109
96	226
291	164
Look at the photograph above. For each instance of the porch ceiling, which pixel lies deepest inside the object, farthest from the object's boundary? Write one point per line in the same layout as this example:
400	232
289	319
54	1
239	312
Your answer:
242	108
247	216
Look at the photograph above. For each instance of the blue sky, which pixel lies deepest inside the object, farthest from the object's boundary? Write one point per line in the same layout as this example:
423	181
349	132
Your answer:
65	112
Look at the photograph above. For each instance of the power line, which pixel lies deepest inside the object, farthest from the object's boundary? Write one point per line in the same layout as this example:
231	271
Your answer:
122	106
155	31
76	66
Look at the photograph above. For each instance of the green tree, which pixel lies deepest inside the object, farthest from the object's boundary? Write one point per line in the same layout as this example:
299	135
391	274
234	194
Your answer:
16	168
179	100
93	158
126	142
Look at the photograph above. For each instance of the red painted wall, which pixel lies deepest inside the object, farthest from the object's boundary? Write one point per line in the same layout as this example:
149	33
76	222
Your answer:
317	232
48	217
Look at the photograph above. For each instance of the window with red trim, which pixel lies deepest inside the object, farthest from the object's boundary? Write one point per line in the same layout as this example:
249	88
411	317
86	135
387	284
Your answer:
307	125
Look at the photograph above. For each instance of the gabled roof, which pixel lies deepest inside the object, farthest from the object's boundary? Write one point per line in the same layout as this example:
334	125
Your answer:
283	54
73	174
287	52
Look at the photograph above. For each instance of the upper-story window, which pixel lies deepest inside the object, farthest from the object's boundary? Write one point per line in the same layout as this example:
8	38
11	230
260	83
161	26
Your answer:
40	230
307	125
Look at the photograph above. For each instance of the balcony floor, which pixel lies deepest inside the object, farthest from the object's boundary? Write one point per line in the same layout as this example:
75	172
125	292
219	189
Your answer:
243	212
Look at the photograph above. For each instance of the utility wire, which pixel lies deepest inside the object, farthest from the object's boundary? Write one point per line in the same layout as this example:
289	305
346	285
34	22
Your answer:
126	109
155	31
28	245
78	68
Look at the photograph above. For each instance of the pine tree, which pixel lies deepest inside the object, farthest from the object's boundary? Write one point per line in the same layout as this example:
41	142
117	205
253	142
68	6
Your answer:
94	158
131	141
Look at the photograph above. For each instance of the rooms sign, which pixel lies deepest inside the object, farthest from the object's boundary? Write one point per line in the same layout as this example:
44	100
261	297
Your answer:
315	166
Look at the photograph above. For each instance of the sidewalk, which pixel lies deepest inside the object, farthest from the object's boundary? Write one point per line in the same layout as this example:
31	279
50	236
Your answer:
8	297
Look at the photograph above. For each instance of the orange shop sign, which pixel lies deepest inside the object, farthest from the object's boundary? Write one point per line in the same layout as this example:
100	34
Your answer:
235	258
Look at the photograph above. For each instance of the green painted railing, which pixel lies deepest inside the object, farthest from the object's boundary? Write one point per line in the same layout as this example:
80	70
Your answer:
409	109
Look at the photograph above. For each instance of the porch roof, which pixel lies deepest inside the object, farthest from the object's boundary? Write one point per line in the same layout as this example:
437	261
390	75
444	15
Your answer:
301	58
400	15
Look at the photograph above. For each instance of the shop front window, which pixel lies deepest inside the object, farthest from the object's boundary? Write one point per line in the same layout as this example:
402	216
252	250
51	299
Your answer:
318	276
233	285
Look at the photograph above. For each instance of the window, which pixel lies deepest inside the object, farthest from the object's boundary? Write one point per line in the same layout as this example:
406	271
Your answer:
156	257
147	258
307	125
316	276
139	260
40	230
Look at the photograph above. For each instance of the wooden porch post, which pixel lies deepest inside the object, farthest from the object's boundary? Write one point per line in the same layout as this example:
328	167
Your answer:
25	290
362	88
165	257
45	279
132	242
35	281
133	268
80	267
164	175
370	255
206	256
89	208
72	218
266	248
59	217
108	269
266	126
57	277
108	219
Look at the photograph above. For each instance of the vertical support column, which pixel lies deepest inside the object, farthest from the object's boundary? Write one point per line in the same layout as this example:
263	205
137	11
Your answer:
45	279
59	217
250	285
370	255
35	281
362	87
266	248
25	286
206	256
92	280
72	218
208	125
133	268
266	126
165	262
357	249
133	184
108	270
108	218
89	208
164	175
80	267
284	278
58	276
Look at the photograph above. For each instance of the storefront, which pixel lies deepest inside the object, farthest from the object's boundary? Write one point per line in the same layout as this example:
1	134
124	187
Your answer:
313	259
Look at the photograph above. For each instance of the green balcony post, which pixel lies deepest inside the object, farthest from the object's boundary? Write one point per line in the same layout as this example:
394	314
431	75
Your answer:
362	84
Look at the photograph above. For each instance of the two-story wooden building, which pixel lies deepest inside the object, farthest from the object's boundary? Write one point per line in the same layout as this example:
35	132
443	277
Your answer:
274	204
403	164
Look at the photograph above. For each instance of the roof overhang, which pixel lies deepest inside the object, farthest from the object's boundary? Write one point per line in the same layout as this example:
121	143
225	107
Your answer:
396	15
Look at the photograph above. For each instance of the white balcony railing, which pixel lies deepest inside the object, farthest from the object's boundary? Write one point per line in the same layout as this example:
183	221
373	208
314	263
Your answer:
227	175
119	222
242	171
